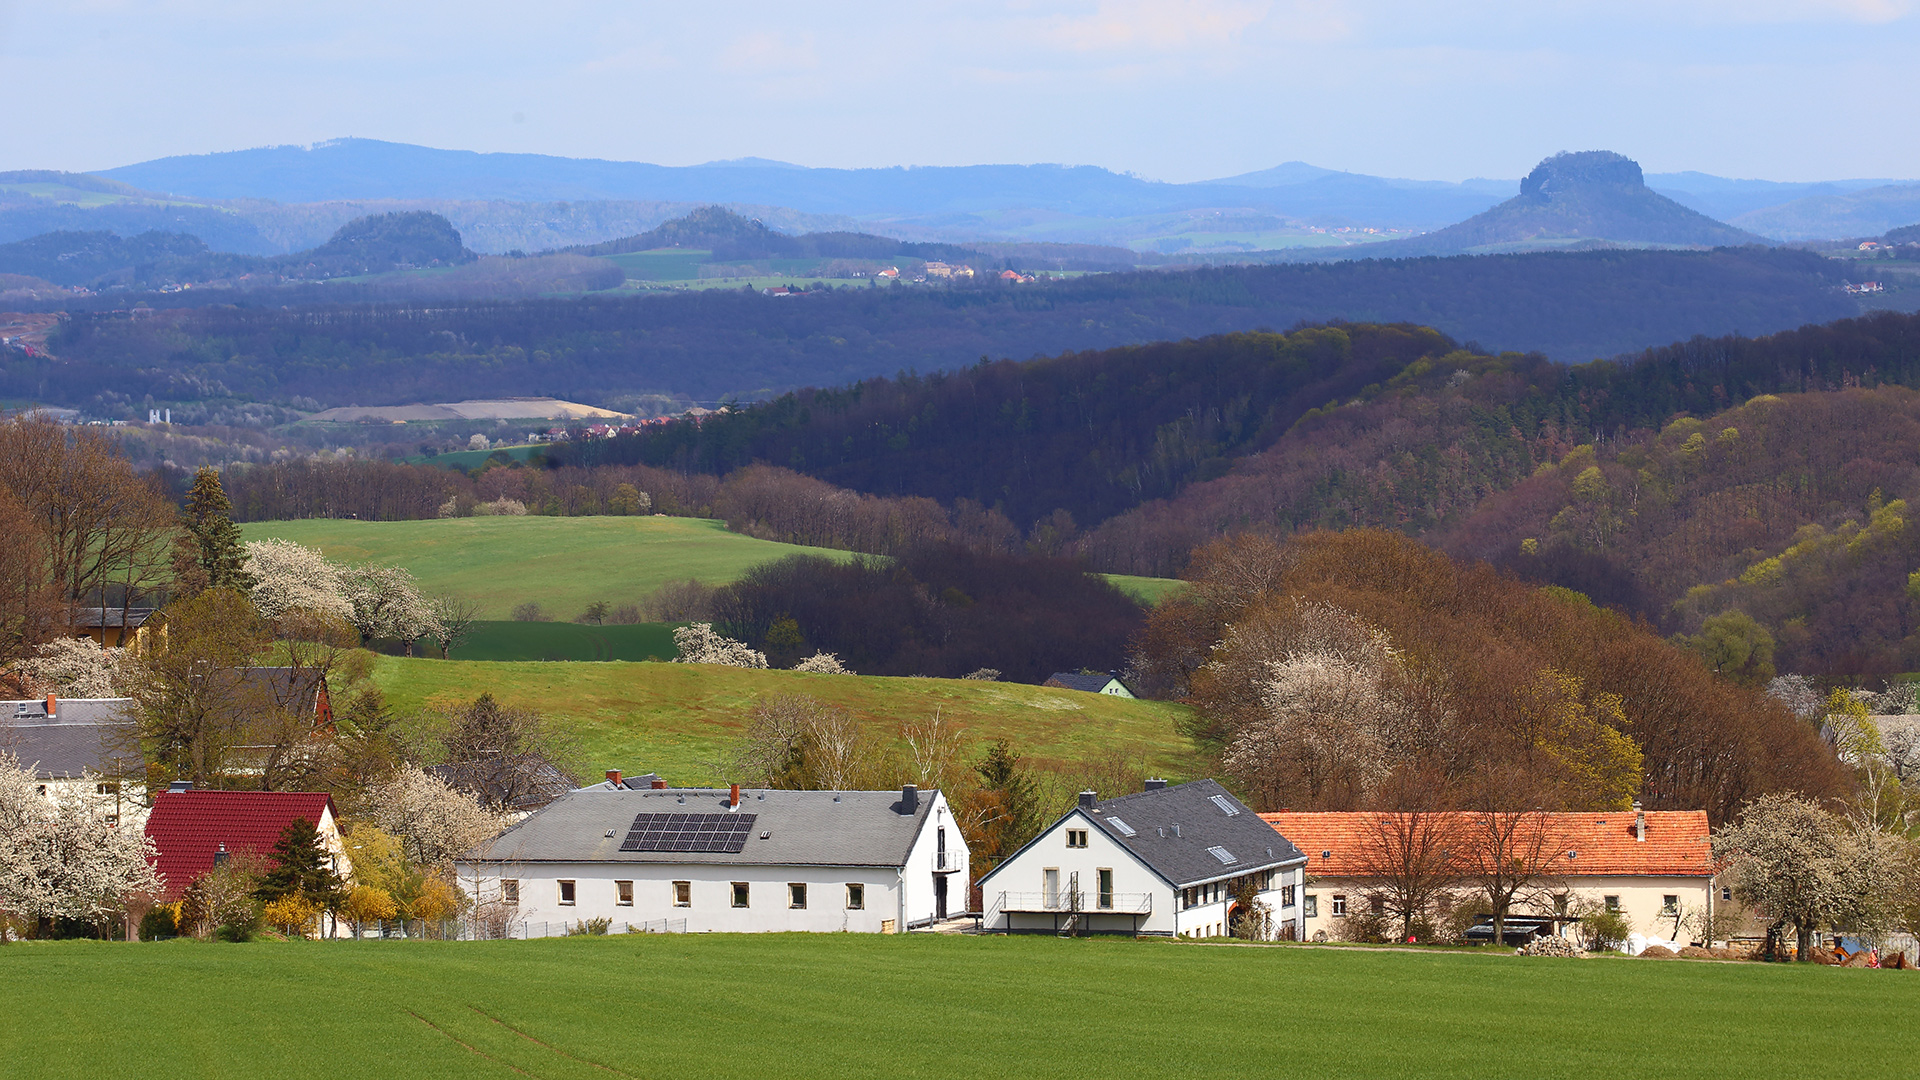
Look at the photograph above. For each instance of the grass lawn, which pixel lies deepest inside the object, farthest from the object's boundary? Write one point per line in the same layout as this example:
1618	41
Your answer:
563	564
924	1006
678	719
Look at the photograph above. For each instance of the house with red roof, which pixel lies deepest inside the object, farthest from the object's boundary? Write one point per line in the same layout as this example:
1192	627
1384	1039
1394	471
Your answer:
1652	866
194	831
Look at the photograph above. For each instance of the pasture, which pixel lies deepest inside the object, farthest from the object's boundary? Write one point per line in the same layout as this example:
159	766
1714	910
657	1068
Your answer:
924	1006
681	719
563	564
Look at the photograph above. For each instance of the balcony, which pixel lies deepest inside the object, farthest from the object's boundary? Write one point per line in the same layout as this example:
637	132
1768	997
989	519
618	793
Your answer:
1063	901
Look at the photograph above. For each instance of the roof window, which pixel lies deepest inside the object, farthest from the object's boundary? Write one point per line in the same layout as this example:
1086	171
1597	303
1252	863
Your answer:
1226	805
1226	857
1122	827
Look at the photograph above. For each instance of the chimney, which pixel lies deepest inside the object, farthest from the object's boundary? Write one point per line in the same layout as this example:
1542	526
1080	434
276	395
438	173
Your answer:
220	857
1087	799
613	777
733	797
179	786
910	798
659	784
1639	823
1156	784
51	705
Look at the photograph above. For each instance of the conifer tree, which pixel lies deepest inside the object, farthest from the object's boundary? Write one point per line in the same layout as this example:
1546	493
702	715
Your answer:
211	555
301	868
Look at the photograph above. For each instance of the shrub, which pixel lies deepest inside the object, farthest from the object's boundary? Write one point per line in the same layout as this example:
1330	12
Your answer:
985	674
698	644
590	928
500	507
625	615
824	663
530	612
159	922
595	615
1603	930
292	915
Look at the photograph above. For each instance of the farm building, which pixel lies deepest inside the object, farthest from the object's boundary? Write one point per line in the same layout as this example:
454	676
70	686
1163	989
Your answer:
1092	684
740	861
1169	861
1652	866
78	746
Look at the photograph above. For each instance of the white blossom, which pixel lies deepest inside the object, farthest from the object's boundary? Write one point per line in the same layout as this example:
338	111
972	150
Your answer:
698	644
293	577
78	667
60	858
435	822
385	602
825	663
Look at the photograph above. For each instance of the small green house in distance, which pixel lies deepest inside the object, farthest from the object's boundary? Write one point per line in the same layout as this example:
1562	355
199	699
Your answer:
1108	684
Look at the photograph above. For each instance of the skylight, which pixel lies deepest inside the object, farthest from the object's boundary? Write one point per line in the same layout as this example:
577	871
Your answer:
1125	829
1225	804
1226	857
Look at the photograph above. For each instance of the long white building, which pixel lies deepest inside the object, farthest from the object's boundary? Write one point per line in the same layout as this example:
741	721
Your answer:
727	860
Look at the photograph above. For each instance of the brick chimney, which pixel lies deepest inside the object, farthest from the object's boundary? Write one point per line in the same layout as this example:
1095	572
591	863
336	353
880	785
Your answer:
733	797
659	785
52	704
613	777
1639	824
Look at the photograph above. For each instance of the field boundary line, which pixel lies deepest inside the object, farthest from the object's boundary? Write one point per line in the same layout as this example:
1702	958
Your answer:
543	1043
457	1040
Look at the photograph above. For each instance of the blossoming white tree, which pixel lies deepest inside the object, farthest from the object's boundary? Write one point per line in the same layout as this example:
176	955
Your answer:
824	663
59	858
434	822
78	667
699	644
292	577
386	603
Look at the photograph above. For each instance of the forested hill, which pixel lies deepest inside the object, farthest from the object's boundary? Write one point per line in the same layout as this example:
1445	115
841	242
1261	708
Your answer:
707	345
1092	433
730	236
1441	443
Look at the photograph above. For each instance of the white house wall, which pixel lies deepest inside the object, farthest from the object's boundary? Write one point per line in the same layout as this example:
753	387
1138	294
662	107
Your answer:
1642	900
711	909
1024	875
917	902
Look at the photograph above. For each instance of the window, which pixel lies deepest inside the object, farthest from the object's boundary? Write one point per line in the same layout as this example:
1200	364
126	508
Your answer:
41	789
1106	887
940	848
1076	838
1611	903
856	896
623	893
509	891
796	894
1379	904
566	894
1339	905
1226	806
739	894
1286	896
683	894
1310	906
1669	905
107	789
1726	893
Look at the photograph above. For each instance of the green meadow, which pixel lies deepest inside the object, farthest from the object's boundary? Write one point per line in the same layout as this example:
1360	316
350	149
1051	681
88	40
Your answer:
925	1006
563	564
681	719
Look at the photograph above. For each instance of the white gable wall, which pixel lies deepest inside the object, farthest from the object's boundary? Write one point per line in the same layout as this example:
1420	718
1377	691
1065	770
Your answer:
1020	882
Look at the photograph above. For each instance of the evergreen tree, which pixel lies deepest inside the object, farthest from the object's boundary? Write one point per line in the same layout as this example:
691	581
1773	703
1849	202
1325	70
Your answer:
301	868
215	540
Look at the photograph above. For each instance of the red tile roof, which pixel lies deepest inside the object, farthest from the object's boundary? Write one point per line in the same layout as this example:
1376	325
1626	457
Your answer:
1602	842
188	827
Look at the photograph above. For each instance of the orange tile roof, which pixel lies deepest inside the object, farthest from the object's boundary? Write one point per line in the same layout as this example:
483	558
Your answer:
1602	842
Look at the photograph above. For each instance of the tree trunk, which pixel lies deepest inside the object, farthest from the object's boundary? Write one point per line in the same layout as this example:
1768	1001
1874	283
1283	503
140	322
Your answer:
1803	949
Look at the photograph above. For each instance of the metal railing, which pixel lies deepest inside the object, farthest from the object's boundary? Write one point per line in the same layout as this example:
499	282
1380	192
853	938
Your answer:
1069	900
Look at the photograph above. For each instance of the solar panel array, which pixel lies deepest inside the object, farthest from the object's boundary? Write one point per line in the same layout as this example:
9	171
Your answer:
724	833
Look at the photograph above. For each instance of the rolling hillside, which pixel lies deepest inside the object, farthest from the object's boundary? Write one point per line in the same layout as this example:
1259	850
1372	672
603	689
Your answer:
562	564
683	720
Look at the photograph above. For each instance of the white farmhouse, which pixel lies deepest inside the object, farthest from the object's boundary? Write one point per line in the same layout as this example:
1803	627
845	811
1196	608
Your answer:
80	747
727	860
1168	861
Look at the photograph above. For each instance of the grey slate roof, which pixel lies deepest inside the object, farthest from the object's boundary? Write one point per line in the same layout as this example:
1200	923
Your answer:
96	618
803	828
78	739
1173	828
1092	684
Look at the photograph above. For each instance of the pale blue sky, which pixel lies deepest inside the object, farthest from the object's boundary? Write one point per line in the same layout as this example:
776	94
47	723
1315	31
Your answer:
1174	90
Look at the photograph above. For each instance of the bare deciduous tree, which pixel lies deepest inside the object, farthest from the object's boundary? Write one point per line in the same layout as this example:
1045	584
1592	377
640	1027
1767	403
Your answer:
1508	855
1411	859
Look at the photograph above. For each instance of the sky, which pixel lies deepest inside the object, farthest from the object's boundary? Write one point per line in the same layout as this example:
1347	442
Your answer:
1176	90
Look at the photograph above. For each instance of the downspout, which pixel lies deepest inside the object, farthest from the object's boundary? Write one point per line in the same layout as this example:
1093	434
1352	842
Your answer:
900	915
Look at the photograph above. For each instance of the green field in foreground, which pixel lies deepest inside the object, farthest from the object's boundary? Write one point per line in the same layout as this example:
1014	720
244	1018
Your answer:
925	1006
678	719
563	564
